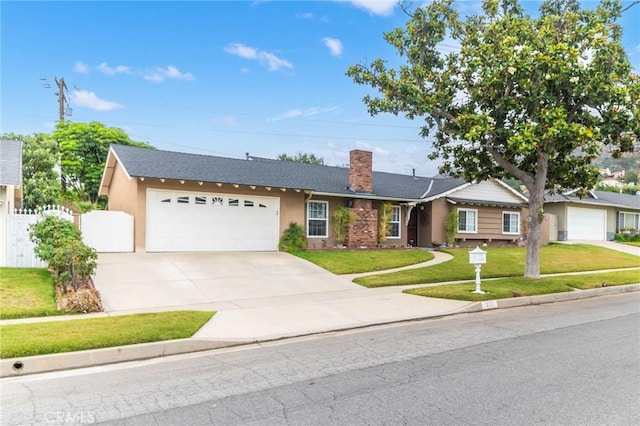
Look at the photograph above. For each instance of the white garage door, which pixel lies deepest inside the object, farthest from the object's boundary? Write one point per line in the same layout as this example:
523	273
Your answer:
199	221
586	224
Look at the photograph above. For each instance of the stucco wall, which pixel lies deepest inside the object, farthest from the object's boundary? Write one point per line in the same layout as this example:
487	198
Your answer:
4	207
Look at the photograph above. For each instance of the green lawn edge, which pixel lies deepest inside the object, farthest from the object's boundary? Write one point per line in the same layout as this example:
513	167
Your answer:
27	292
508	262
504	288
347	261
50	337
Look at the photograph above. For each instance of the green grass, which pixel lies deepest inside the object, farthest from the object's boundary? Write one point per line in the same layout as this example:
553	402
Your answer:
26	292
518	286
50	337
356	261
508	262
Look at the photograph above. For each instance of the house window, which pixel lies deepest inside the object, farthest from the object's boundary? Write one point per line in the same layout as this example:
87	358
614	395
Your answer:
628	221
468	221
234	202
317	218
183	200
394	223
201	200
510	223
248	203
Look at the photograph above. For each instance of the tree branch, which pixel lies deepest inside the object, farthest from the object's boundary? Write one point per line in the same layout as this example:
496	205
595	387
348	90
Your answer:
524	177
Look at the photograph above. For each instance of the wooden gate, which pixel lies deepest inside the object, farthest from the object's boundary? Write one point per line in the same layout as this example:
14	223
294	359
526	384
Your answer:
19	247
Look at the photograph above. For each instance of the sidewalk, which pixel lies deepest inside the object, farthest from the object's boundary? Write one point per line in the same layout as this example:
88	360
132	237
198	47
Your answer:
271	318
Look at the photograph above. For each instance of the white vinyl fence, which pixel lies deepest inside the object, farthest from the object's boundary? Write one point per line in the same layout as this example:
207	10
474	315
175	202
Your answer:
19	247
107	231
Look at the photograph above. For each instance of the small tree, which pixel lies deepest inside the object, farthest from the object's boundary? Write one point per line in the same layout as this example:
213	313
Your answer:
452	227
341	218
384	222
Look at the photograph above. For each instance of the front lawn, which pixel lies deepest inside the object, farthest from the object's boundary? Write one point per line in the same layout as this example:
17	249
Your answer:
357	261
27	292
519	286
18	340
508	262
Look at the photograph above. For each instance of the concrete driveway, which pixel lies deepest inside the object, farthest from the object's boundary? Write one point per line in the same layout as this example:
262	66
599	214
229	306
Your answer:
152	281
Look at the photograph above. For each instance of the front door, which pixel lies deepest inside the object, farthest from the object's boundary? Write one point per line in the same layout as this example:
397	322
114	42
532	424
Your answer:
412	228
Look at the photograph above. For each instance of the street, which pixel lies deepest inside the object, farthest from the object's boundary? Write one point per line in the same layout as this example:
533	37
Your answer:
570	363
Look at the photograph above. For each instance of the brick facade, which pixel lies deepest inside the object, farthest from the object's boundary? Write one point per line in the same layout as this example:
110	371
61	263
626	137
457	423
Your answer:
360	171
363	232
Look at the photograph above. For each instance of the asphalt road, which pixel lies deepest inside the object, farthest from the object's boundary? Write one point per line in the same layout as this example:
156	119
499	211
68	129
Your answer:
569	363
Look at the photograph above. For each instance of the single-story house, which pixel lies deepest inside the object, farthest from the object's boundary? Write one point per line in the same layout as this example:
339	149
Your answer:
597	216
10	188
189	202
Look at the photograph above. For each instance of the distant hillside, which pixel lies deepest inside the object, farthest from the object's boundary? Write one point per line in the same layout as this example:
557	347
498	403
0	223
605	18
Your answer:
628	162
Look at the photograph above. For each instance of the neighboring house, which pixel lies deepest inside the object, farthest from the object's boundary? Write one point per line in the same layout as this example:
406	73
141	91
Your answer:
188	202
10	188
595	217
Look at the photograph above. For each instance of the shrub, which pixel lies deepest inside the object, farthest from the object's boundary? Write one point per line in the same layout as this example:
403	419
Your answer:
452	227
58	242
51	232
384	222
342	217
82	301
293	238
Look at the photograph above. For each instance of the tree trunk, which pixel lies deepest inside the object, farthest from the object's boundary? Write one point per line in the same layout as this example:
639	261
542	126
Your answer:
534	222
535	217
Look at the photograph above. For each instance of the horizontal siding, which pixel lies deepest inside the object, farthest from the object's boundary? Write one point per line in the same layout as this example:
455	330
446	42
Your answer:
487	191
490	224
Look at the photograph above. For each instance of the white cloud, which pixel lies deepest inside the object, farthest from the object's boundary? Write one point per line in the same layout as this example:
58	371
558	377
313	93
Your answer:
363	145
84	98
381	151
292	113
273	62
334	45
227	120
305	15
376	7
119	69
81	67
161	74
289	114
244	70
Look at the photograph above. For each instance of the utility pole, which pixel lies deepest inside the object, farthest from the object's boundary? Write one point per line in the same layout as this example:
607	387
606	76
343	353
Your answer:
62	99
63	102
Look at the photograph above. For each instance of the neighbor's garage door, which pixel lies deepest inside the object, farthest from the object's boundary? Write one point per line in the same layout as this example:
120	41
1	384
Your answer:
199	221
586	224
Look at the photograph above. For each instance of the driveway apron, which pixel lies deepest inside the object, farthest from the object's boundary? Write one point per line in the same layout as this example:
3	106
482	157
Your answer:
150	281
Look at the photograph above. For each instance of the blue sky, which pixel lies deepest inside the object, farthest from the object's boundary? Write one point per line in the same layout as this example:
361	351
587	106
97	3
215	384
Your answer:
220	78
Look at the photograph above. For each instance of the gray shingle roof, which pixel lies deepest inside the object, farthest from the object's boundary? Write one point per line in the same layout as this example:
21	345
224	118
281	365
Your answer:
147	163
10	162
604	198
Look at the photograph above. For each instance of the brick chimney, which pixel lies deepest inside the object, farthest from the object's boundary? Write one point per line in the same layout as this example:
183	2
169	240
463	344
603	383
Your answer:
360	171
363	232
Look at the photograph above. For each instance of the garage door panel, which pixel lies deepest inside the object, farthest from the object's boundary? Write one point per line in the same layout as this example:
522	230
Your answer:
586	224
183	221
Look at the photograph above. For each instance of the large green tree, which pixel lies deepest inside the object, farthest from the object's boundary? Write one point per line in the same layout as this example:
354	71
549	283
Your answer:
40	177
533	98
83	153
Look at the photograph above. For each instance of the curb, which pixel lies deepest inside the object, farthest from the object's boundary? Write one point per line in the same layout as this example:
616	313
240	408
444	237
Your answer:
13	367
